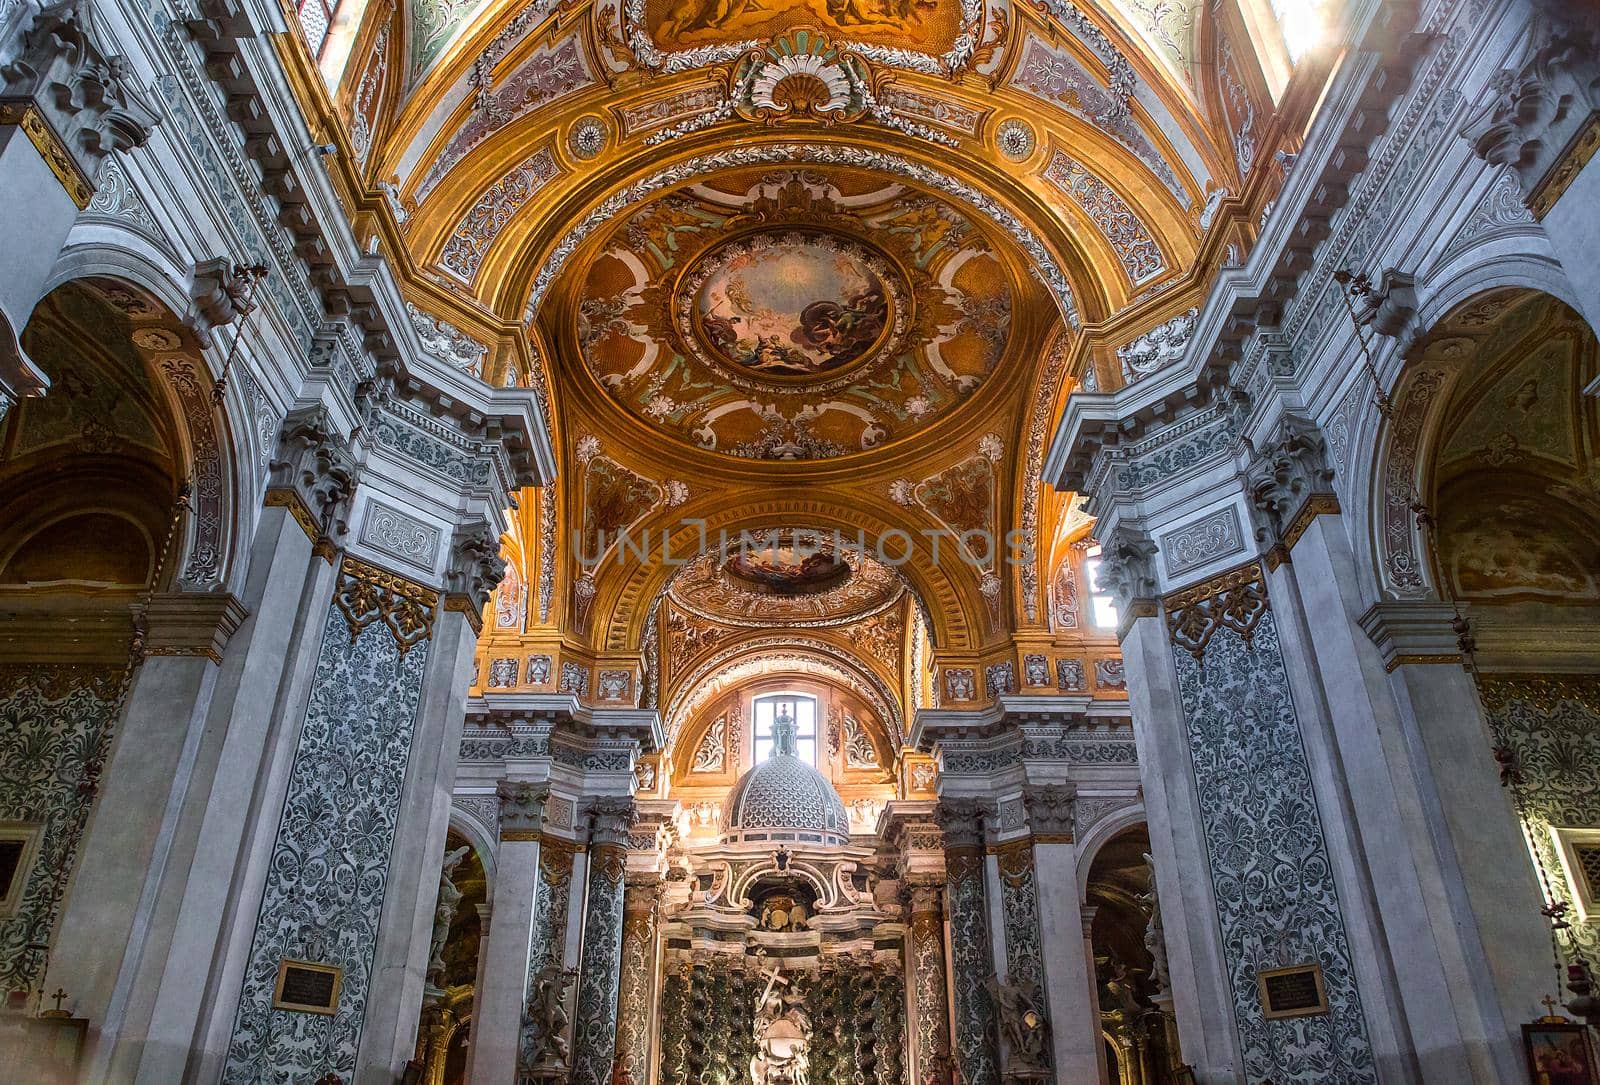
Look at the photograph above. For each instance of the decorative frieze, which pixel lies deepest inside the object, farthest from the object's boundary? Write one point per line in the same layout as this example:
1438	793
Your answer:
1159	347
1200	542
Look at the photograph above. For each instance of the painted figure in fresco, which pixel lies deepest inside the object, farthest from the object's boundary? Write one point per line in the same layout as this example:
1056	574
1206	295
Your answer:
689	16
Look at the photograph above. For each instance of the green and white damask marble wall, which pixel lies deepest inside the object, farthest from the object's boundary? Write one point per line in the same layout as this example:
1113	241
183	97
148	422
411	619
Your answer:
55	730
1272	881
330	862
1551	725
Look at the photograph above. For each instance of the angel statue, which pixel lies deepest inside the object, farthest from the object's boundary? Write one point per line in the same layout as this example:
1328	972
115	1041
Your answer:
444	913
1023	1023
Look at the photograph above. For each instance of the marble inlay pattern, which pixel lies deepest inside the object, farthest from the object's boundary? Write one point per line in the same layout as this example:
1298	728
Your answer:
927	966
54	731
1019	905
594	1030
1551	723
969	951
330	865
1277	904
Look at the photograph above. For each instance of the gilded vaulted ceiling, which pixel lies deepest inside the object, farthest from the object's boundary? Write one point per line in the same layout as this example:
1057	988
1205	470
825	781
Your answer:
830	265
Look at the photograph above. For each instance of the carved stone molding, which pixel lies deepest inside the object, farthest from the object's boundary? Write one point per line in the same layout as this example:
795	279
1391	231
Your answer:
314	475
1050	812
521	809
1543	119
1291	482
189	623
1236	600
475	570
83	100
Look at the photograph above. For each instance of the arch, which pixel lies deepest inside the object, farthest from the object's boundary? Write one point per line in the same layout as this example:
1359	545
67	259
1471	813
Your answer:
480	835
1101	832
946	600
799	652
1441	361
234	467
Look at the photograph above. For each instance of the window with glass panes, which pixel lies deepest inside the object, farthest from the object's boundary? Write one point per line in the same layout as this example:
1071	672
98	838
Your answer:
798	707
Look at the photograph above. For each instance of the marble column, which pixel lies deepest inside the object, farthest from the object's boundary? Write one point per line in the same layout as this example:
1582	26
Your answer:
930	995
1201	998
1073	1008
1450	946
266	672
976	1047
63	109
156	765
636	997
511	945
600	965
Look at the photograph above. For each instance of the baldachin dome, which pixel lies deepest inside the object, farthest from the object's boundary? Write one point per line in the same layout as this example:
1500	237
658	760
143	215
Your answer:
785	798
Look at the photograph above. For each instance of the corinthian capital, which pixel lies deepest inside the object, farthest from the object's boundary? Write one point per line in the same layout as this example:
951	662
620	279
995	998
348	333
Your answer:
313	462
1288	473
610	820
521	806
961	822
1128	567
476	567
1050	810
87	95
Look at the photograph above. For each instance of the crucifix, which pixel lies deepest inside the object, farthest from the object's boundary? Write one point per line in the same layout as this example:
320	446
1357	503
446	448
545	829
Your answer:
59	997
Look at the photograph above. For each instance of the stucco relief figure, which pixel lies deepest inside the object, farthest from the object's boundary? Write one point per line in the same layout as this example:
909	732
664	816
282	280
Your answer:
444	914
1155	939
783	1037
547	1010
1023	1024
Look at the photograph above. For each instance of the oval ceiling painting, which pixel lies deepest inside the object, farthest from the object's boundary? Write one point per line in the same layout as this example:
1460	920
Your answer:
793	314
787	304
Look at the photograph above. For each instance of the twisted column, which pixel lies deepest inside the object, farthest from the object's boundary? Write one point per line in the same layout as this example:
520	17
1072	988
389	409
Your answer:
599	970
961	821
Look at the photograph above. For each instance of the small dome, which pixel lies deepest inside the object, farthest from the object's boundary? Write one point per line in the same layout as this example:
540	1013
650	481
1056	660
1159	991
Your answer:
784	798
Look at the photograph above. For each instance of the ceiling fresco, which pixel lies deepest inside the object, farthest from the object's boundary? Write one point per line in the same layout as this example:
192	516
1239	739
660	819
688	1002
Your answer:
795	314
803	267
785	577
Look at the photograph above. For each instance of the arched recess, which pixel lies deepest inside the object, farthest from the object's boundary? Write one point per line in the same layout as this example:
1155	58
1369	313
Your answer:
1491	431
89	476
450	990
226	444
776	655
1130	983
949	593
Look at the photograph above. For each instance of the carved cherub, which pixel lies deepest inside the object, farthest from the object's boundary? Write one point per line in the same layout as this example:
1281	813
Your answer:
547	1011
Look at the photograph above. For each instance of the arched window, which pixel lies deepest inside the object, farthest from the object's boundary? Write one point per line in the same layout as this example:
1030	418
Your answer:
799	707
1102	609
